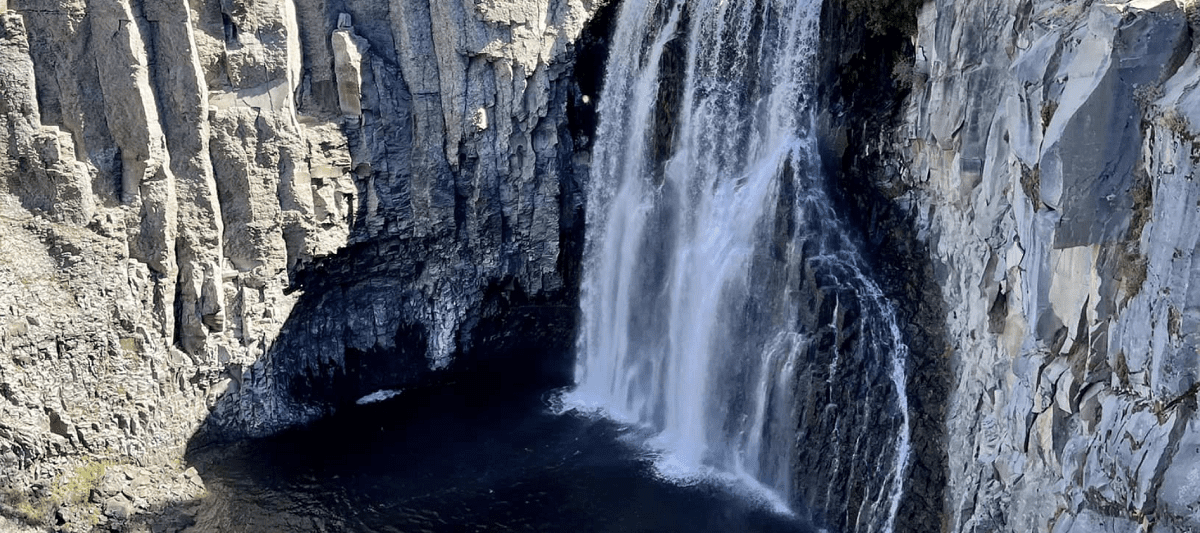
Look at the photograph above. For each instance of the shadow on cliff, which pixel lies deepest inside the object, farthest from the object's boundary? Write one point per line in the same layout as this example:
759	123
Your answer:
380	313
864	77
337	464
342	470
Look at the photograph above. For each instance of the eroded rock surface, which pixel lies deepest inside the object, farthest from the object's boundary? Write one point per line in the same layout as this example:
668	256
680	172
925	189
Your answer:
211	208
1052	172
251	212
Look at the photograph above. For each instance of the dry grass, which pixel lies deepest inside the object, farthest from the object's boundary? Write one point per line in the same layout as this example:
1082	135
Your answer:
1048	109
1031	183
1177	122
72	488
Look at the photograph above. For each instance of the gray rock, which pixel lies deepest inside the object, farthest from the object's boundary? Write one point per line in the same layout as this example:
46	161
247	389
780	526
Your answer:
189	192
193	477
1047	166
118	508
112	483
247	213
347	55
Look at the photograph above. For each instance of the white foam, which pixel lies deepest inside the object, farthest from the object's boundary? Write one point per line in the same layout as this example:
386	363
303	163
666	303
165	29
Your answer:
379	396
670	468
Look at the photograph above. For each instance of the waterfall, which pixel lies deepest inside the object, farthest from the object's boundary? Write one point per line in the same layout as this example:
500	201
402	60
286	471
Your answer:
724	307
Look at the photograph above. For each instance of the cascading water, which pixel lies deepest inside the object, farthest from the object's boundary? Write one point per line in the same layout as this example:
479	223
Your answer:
723	306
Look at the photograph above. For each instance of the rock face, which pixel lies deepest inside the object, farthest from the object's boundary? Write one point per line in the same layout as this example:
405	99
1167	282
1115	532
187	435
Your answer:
1051	158
860	109
214	208
253	212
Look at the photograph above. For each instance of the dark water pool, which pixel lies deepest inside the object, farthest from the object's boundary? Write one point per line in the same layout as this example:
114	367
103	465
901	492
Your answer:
452	460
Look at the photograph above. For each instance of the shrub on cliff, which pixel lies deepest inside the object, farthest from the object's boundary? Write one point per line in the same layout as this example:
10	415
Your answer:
884	16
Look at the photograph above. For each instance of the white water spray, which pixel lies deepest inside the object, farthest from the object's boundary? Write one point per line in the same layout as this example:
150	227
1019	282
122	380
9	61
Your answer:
707	224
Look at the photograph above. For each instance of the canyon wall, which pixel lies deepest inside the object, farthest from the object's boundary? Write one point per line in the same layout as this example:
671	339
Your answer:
252	212
1050	163
245	214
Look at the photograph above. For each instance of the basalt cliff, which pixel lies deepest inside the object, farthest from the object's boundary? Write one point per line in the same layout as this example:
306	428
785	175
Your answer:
237	216
1055	159
1042	158
221	218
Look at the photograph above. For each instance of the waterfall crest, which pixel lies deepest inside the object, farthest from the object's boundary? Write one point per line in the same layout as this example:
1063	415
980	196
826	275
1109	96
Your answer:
724	308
